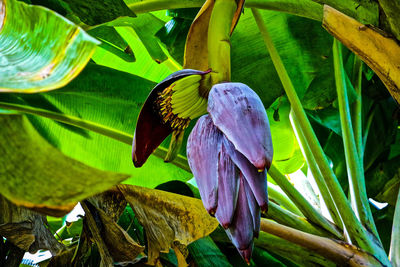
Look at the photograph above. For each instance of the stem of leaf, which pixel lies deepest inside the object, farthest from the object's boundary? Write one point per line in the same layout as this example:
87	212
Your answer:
355	229
275	195
287	218
355	172
356	111
305	207
312	164
123	137
367	127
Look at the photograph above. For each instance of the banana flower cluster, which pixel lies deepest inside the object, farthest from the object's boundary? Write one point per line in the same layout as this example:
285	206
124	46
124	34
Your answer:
229	151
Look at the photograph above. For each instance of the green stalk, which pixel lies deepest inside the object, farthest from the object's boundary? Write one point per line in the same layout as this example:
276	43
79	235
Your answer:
355	172
219	46
287	218
356	111
123	137
275	195
394	253
303	8
305	207
352	224
312	164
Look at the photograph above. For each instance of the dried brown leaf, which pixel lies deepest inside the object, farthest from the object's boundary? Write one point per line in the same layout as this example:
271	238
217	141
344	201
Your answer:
168	217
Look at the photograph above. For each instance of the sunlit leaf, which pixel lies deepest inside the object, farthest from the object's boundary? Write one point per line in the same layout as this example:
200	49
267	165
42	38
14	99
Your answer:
39	50
144	66
287	153
112	99
36	175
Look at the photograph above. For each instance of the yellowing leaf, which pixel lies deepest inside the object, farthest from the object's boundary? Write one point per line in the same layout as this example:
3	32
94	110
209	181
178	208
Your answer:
36	175
196	52
381	53
168	217
39	49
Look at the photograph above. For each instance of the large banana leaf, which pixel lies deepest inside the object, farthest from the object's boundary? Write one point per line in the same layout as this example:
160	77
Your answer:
111	99
39	49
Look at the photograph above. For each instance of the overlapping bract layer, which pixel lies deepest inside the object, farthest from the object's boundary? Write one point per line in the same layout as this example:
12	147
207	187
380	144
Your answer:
228	152
239	113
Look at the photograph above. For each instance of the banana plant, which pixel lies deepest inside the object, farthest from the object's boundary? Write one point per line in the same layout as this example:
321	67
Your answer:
256	137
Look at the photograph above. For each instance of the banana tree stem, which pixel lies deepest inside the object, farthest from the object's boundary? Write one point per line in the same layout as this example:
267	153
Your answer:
355	171
339	252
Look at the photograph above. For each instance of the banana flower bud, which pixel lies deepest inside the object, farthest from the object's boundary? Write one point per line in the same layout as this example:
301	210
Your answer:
229	152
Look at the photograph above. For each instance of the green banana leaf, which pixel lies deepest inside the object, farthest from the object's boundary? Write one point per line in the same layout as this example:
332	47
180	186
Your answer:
111	99
39	49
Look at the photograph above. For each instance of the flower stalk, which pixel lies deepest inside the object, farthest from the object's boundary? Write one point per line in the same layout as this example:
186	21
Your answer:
219	46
